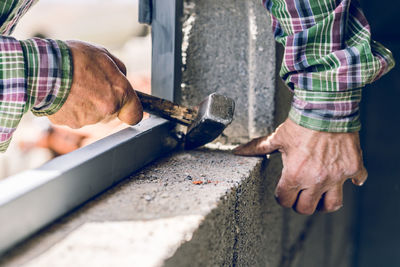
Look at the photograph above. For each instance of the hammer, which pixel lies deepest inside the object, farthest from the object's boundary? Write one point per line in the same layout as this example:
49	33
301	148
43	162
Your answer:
205	122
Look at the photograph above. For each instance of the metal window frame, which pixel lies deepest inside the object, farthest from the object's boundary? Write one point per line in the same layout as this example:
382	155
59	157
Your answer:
33	199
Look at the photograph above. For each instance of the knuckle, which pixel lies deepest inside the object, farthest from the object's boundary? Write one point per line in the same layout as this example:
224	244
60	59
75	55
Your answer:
272	140
285	194
354	168
283	202
320	180
108	106
323	174
121	87
74	125
292	176
323	177
288	184
279	194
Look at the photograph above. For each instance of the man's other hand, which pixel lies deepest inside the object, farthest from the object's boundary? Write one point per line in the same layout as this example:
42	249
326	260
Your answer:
99	91
315	165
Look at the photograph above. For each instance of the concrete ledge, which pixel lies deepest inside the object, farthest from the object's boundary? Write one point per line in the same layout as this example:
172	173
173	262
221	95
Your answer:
173	195
198	208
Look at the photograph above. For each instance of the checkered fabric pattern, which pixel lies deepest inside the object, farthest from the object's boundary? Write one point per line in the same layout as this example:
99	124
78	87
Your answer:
329	56
35	74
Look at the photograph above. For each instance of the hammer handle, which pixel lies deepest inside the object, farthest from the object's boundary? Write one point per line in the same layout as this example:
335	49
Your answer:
167	109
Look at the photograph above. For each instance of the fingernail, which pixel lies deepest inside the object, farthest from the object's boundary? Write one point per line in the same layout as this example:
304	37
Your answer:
357	183
337	208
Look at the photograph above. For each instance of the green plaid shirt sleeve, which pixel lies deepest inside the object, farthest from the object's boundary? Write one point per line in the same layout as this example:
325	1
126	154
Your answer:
35	74
329	57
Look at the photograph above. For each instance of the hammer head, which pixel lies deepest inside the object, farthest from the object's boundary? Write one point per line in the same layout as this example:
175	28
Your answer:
214	114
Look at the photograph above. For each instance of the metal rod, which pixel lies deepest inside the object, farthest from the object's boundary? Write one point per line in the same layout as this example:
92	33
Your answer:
166	32
33	199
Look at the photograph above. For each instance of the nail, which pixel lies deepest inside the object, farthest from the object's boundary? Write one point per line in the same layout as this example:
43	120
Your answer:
337	208
357	183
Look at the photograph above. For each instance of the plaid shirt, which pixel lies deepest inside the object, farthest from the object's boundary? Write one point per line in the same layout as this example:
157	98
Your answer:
329	56
35	74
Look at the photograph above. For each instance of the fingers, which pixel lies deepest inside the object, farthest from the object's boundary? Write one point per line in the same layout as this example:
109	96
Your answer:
131	111
307	201
333	199
360	178
286	192
259	146
293	192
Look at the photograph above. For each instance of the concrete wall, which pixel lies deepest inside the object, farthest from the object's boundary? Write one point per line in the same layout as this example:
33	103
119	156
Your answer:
228	48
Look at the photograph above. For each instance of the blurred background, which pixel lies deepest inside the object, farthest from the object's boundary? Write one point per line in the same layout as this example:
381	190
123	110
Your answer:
378	236
110	23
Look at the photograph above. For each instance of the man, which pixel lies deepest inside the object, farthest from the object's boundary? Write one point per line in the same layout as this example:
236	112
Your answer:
328	57
73	83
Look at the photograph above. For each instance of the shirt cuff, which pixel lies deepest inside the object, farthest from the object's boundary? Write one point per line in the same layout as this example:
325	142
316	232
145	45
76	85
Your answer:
48	68
4	144
12	88
327	111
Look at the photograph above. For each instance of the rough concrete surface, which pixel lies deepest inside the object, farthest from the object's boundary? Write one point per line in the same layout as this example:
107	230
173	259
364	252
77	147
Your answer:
229	48
198	208
139	243
184	184
239	231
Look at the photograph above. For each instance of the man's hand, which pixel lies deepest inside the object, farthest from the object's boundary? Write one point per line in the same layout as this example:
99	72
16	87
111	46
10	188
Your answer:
315	165
99	91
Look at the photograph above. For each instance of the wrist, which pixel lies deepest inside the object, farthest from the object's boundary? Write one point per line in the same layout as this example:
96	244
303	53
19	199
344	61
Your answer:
327	111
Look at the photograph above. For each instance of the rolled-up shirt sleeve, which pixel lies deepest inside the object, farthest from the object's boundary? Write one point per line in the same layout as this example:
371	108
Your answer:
35	75
329	57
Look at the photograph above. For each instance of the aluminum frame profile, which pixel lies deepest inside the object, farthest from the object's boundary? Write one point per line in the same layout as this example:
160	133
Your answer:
166	32
33	199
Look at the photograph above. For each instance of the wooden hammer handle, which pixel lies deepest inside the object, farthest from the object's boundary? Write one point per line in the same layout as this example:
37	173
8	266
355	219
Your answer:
167	109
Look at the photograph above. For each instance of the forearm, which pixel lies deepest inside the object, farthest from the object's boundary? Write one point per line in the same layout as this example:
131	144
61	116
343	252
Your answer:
329	56
35	75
